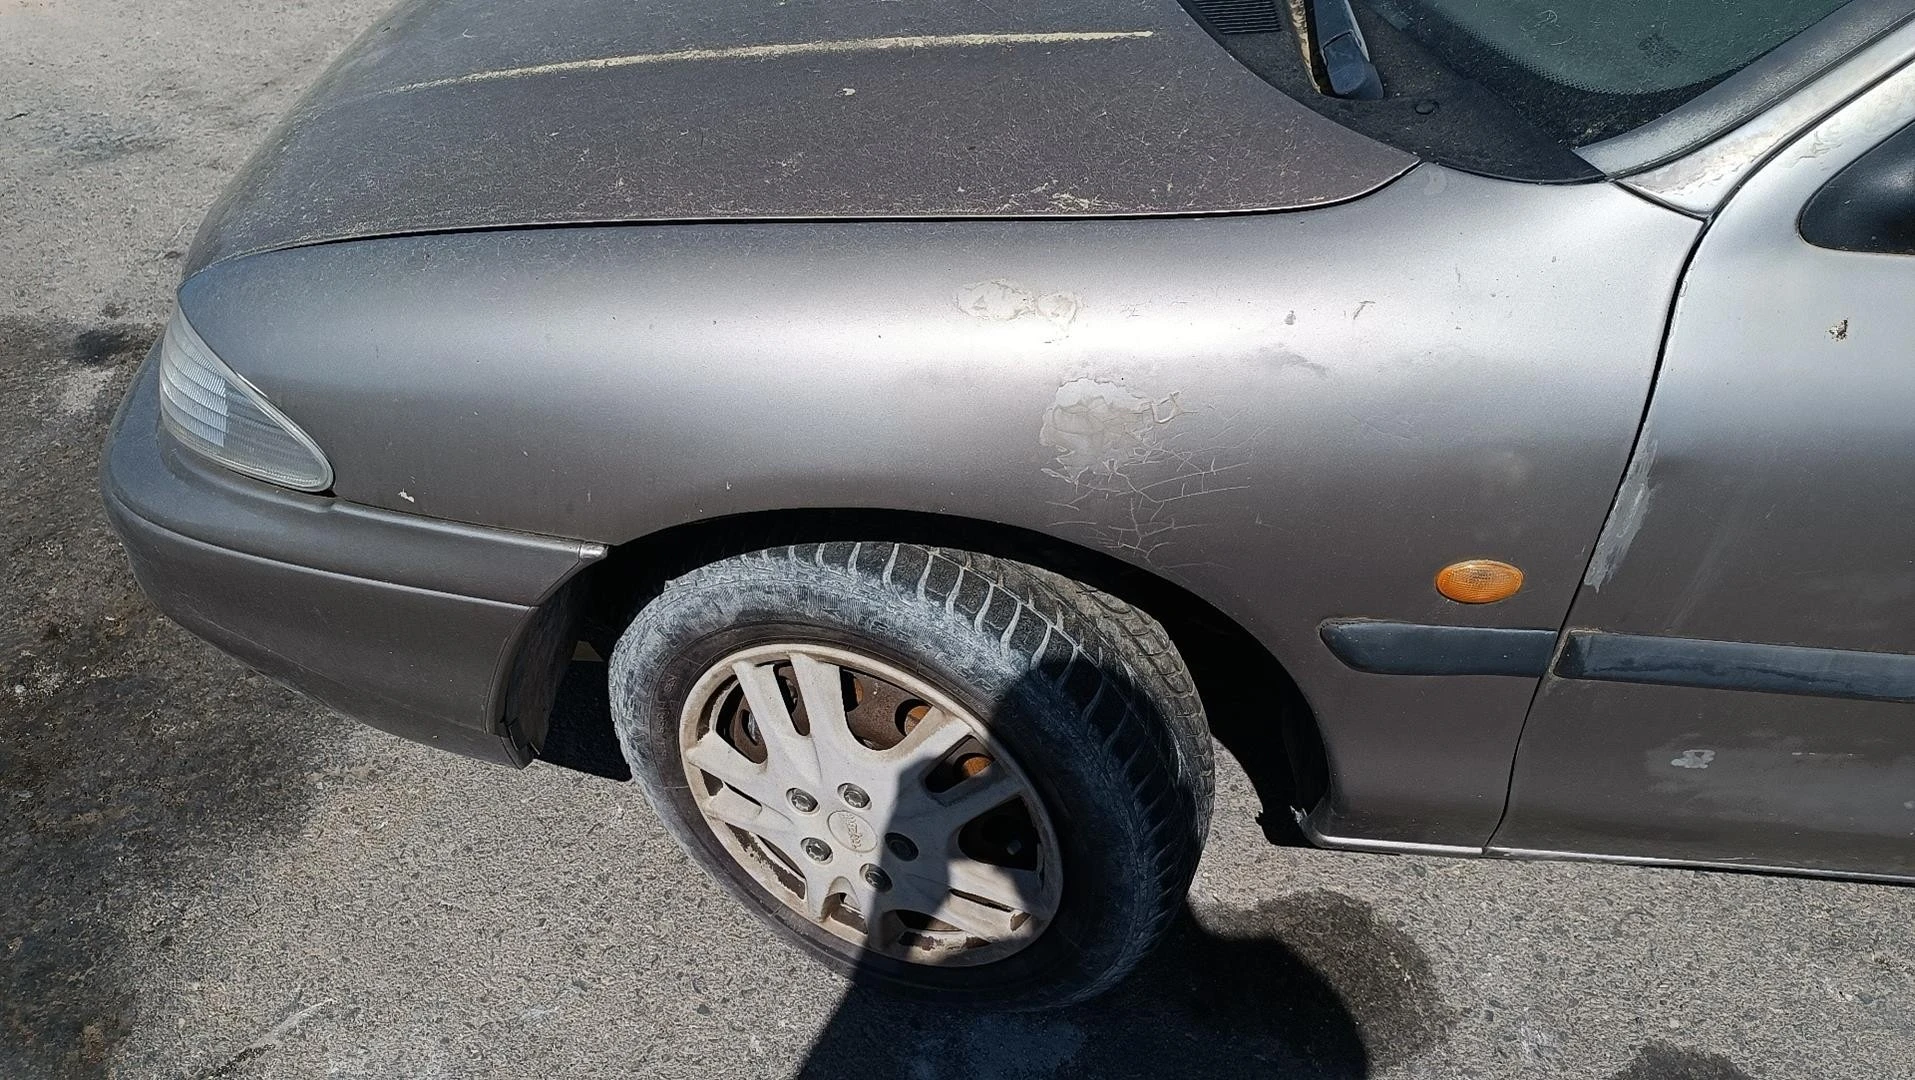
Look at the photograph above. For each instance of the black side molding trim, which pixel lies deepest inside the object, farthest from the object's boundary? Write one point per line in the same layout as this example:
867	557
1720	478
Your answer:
1738	665
1393	648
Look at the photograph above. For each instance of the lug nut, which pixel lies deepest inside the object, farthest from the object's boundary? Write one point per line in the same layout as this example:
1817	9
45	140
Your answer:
816	850
901	846
854	796
876	878
801	801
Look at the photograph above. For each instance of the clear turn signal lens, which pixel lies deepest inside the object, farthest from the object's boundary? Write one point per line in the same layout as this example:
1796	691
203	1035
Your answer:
216	413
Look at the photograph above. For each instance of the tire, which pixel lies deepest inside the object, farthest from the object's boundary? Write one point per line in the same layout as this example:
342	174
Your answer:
1083	696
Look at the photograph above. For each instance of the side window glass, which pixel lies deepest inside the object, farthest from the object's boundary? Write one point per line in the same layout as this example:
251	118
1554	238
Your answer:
1869	206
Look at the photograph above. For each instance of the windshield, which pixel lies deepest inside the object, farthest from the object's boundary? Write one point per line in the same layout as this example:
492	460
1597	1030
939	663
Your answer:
1513	88
1587	69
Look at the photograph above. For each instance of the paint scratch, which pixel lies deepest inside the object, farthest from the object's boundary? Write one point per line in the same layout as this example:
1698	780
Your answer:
1625	518
779	52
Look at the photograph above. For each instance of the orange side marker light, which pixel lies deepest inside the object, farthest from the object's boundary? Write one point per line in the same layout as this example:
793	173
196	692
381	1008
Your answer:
1479	581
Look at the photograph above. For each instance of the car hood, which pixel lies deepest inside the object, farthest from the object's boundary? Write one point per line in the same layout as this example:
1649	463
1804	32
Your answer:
464	114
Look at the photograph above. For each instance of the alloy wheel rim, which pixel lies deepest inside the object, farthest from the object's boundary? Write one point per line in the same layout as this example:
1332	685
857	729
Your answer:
870	803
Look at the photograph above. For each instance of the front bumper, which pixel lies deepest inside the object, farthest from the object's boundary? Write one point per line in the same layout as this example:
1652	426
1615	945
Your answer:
427	629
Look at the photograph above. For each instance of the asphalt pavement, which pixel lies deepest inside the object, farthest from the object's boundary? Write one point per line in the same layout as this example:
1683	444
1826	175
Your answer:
204	875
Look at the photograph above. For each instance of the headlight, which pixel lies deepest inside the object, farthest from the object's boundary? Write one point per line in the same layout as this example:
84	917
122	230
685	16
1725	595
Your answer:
214	411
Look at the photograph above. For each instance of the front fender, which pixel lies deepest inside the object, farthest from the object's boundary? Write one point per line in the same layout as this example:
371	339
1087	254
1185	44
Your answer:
1295	416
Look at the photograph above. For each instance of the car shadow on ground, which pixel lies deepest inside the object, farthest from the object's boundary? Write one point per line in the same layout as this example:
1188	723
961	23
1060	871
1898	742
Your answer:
1308	985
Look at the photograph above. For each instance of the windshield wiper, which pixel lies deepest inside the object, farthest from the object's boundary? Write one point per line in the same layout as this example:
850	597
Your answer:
1334	49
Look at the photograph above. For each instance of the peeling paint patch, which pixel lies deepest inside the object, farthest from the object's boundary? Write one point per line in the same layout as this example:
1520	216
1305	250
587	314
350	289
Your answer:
1694	759
1625	518
1134	462
1285	358
1840	331
1000	300
996	299
779	52
1101	427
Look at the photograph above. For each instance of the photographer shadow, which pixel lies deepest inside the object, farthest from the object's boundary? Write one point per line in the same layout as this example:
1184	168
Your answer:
1312	985
1306	985
1303	985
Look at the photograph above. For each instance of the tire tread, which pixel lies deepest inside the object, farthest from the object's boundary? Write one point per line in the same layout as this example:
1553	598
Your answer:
1162	745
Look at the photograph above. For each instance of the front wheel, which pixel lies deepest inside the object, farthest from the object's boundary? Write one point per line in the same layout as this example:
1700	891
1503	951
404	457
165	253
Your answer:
947	773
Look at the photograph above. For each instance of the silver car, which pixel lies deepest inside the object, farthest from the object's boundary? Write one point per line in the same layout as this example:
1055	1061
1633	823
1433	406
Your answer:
913	430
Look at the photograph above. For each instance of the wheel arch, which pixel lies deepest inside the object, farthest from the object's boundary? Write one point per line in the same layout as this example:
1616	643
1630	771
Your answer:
1271	732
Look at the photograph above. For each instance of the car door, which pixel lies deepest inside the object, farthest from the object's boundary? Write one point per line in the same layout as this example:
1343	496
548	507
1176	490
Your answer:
1735	682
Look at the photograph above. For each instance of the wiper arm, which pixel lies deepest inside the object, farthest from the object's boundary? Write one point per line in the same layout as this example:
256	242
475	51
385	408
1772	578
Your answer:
1334	49
1346	56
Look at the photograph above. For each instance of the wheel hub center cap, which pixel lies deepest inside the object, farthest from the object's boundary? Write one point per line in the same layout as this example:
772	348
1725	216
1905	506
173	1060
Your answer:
852	831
